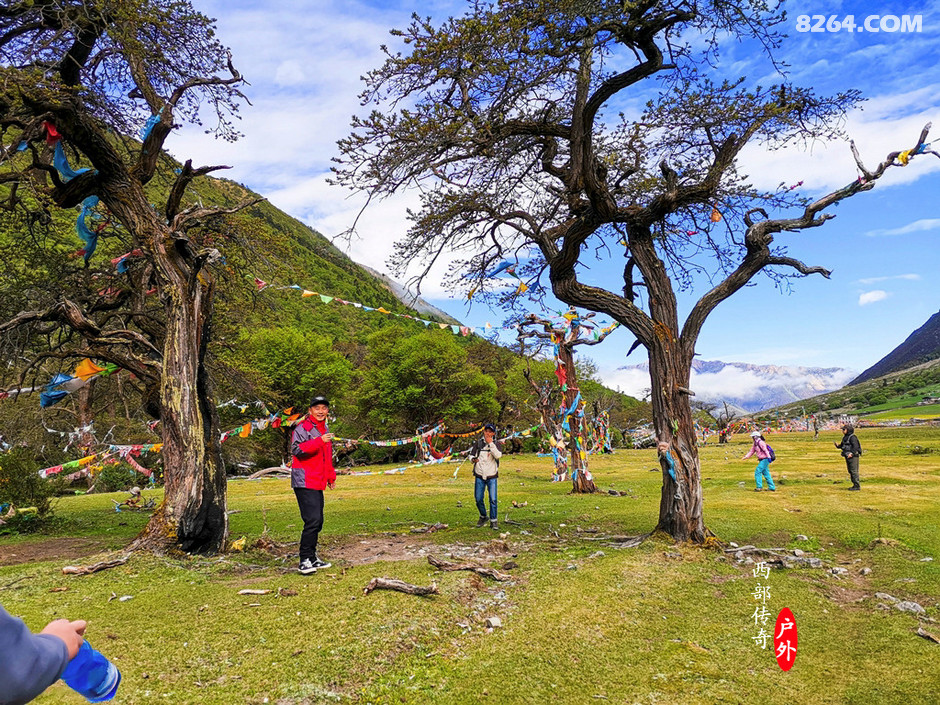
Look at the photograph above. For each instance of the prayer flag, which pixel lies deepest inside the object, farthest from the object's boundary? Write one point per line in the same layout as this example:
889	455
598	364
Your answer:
86	369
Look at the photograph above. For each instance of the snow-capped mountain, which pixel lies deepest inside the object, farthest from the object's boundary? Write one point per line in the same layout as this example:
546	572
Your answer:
749	387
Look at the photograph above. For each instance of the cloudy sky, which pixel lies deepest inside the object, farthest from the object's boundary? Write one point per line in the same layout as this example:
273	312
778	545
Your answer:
303	60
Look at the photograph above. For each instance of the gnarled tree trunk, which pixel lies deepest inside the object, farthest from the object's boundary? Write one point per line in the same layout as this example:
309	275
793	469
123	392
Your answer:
193	513
680	507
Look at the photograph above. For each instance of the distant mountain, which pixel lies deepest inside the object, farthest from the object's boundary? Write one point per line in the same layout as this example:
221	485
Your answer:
413	302
921	346
752	388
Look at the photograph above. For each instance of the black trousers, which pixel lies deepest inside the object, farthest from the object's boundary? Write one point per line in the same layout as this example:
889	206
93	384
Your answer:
311	511
851	465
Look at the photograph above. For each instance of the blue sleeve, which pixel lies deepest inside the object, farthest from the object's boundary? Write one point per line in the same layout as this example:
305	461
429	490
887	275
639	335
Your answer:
29	663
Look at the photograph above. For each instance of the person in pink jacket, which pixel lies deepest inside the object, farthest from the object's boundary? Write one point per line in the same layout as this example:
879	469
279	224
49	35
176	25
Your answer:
760	449
311	473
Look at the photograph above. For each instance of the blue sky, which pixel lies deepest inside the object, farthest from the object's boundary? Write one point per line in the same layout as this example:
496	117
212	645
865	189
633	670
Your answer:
304	60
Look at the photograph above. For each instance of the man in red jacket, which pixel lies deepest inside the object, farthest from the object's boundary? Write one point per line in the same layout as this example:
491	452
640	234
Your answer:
311	473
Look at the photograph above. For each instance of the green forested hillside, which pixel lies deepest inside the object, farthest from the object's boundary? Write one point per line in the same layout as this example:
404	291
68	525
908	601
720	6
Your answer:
385	375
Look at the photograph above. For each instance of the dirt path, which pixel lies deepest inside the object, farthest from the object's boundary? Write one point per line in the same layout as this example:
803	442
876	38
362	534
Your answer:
49	550
351	551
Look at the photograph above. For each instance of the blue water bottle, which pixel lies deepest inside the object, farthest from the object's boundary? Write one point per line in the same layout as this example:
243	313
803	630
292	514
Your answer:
92	675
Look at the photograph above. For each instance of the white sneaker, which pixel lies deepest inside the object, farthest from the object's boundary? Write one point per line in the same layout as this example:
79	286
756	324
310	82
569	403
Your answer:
307	567
319	563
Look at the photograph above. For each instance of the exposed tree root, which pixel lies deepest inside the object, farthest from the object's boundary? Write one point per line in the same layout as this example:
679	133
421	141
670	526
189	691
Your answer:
94	568
479	570
400	586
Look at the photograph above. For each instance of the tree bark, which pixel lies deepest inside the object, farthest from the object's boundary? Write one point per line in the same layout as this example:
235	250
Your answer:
193	515
680	507
670	363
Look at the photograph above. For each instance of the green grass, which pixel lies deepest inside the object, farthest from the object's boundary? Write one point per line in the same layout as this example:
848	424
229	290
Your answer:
655	624
902	413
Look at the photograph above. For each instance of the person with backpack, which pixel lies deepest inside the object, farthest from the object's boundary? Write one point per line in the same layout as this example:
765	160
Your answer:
851	450
485	454
765	456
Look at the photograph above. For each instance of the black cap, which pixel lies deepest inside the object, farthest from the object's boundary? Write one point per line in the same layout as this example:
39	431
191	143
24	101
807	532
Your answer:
317	400
489	427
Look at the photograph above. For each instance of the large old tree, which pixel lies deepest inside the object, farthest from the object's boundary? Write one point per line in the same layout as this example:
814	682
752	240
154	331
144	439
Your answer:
555	130
84	78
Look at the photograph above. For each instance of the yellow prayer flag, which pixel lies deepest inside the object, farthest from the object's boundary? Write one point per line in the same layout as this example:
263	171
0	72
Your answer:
306	293
246	431
86	369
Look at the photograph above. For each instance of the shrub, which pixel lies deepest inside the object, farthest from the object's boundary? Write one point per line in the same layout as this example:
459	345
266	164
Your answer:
20	484
118	478
532	444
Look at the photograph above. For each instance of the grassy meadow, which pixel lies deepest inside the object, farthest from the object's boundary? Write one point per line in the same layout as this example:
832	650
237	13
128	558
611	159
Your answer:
582	620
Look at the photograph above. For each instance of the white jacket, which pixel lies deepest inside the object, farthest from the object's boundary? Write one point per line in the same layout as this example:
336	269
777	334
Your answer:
485	457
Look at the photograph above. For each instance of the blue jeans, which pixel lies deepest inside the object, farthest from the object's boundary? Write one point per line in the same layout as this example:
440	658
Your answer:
763	470
478	488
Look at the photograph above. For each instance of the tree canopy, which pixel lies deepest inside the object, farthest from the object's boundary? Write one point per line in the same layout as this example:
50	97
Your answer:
557	131
78	80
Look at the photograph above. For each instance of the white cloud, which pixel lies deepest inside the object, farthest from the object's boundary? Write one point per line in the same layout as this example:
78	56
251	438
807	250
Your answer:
875	280
736	381
878	128
629	380
289	73
918	226
870	297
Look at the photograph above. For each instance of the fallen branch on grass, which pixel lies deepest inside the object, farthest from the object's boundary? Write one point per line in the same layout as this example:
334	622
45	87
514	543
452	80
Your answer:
479	570
628	541
88	570
428	528
9	585
927	635
400	586
278	470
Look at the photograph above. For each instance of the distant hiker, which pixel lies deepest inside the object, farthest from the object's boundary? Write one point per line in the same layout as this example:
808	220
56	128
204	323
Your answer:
851	450
485	454
30	663
762	451
311	473
815	427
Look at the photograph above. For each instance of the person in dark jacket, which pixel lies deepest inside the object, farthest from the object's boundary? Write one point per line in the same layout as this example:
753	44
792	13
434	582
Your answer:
30	663
485	454
311	473
851	450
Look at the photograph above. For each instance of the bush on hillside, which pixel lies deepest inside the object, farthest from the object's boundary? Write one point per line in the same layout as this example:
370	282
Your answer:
21	487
